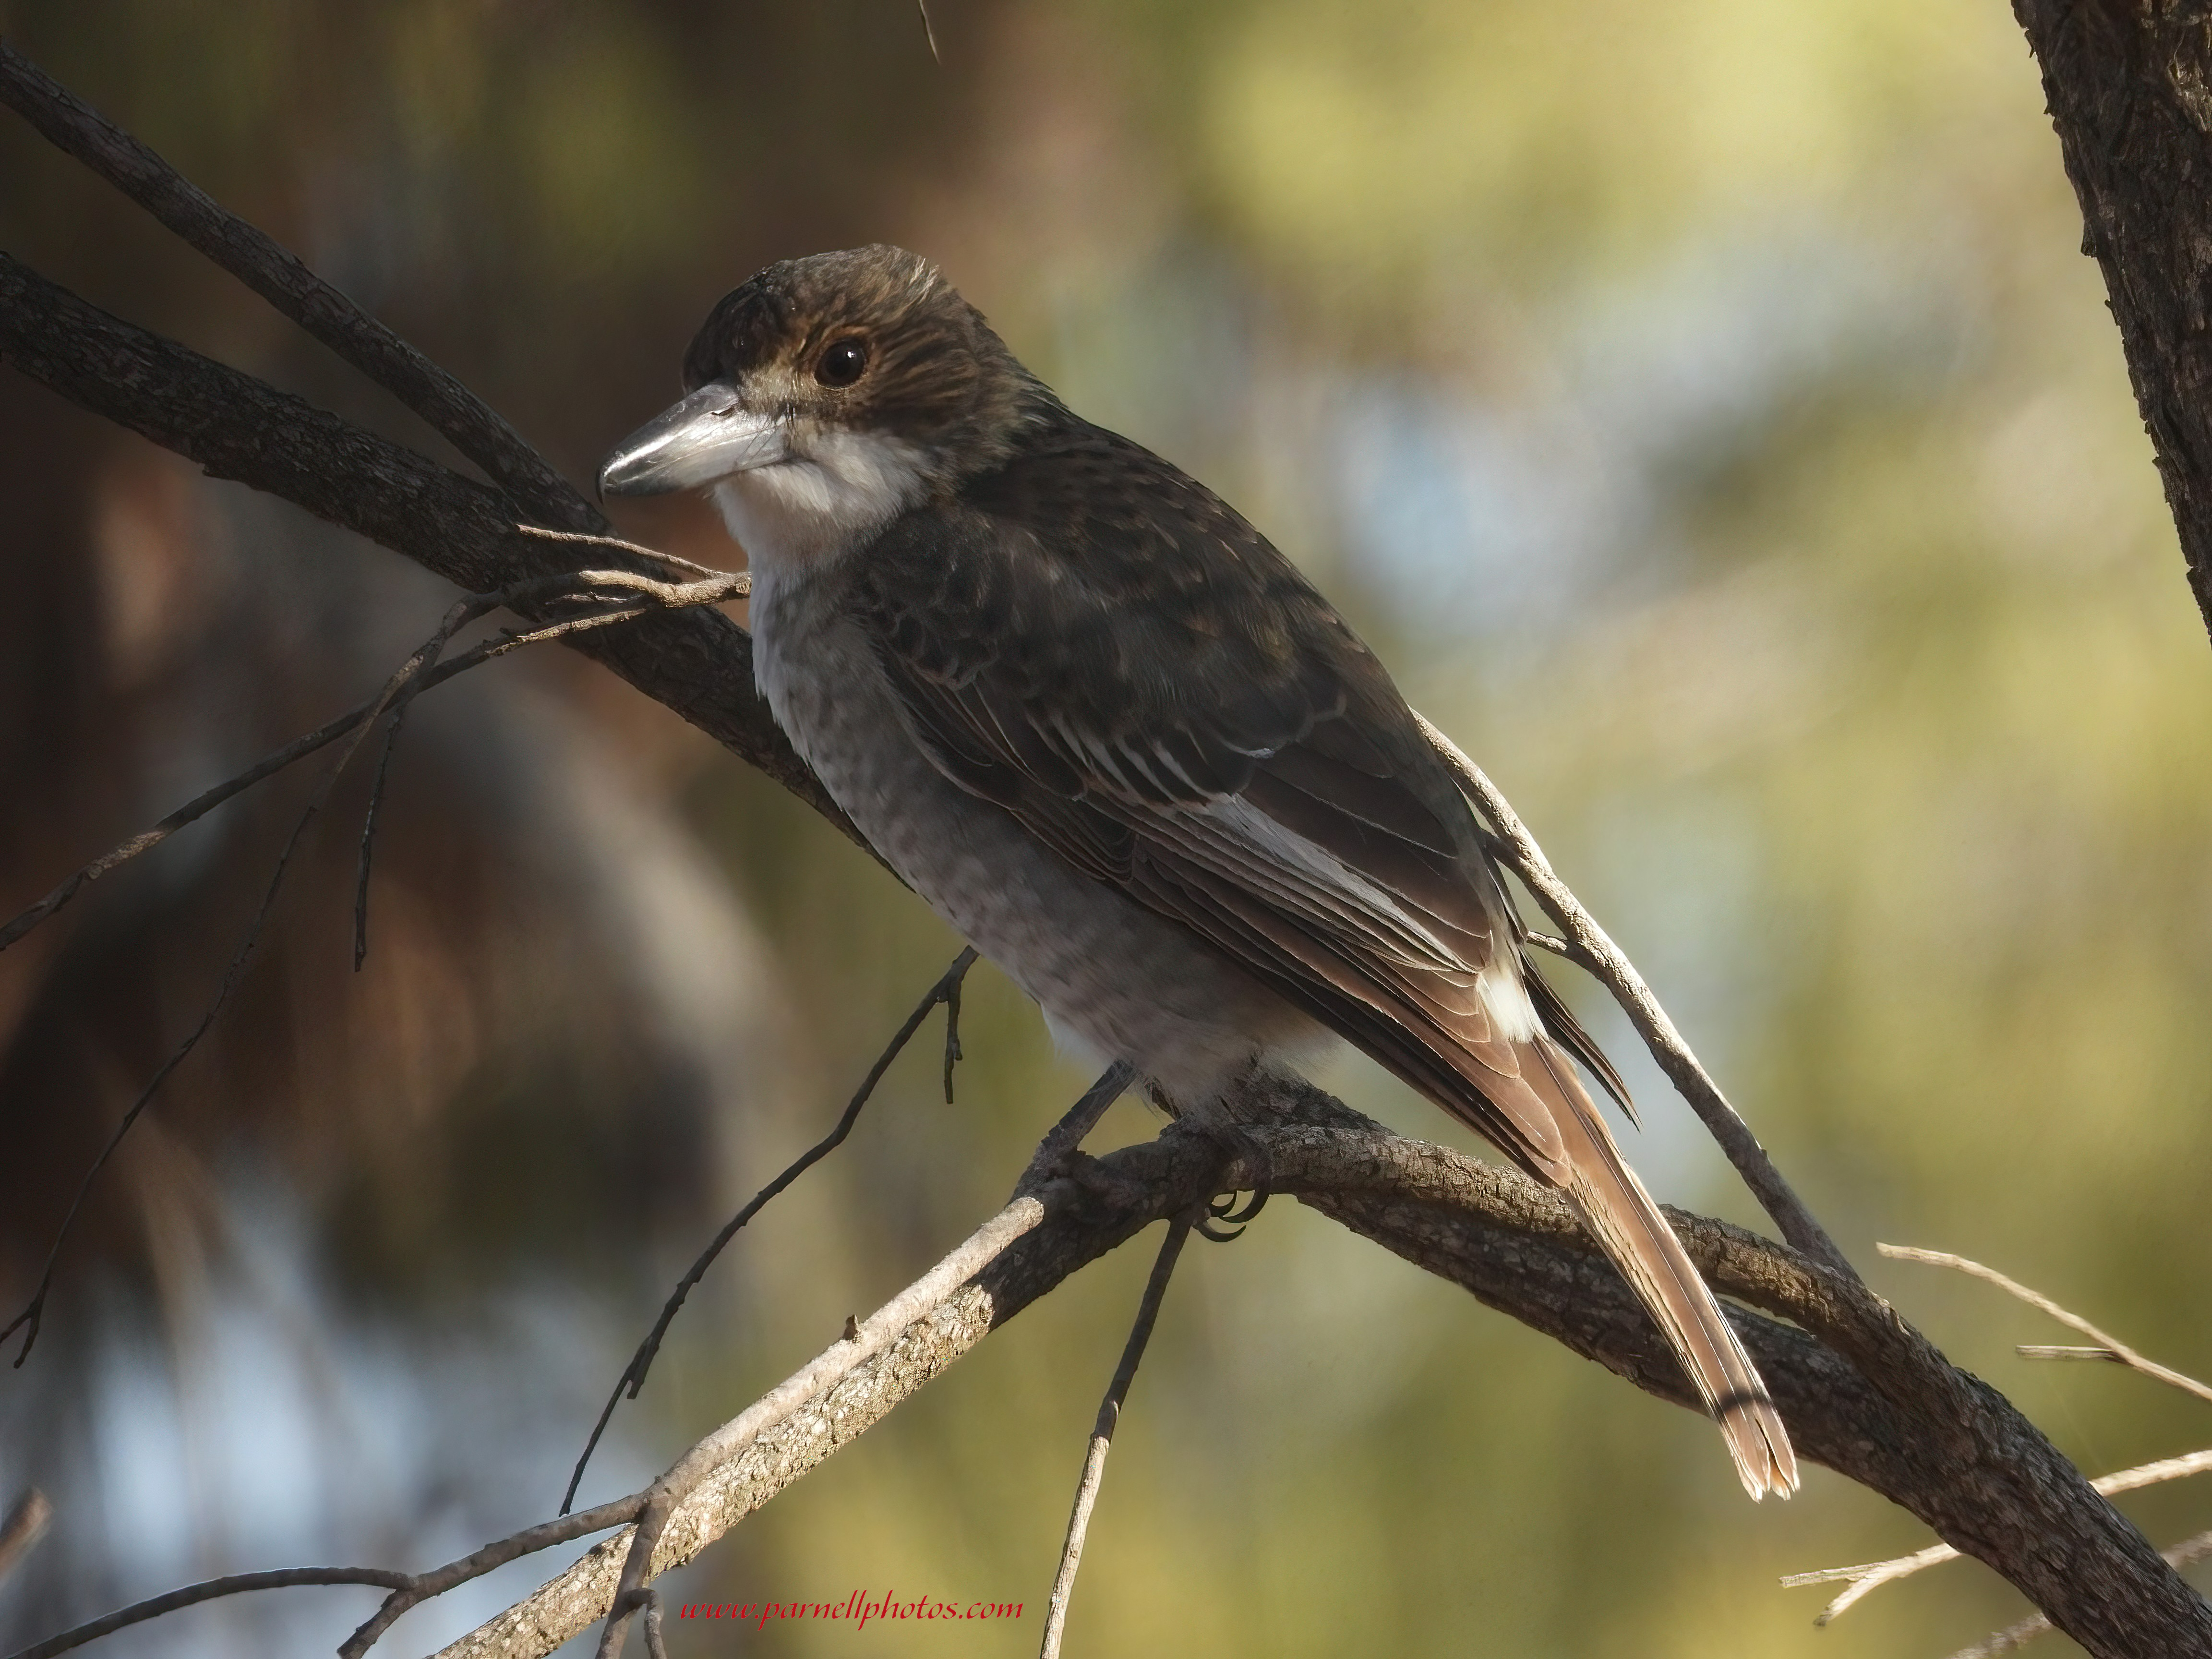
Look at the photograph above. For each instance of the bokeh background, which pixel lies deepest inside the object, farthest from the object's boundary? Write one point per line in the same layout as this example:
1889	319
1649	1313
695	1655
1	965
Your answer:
1705	407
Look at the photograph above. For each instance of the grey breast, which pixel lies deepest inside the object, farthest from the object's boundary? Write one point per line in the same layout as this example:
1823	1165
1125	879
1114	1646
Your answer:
1128	984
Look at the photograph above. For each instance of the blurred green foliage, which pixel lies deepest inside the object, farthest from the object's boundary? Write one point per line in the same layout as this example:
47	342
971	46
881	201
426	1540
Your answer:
1813	597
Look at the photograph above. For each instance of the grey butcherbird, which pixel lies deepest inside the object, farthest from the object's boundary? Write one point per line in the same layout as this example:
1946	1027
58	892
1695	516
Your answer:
1109	733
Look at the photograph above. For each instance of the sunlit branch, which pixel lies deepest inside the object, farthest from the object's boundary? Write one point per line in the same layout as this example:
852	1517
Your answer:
946	991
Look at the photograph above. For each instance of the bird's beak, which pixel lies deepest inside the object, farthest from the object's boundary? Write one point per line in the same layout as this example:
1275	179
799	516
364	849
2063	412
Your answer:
710	436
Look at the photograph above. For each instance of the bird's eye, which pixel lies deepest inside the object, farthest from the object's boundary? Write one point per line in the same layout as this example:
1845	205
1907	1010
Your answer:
841	362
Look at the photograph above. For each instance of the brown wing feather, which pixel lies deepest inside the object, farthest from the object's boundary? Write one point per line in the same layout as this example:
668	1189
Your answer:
1059	643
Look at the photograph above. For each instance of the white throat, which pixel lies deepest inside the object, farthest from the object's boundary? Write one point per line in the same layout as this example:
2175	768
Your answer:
831	494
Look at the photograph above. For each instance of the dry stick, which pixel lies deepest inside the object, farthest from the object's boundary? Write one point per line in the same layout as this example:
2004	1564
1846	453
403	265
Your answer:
1591	946
723	585
34	1313
636	550
25	1524
1873	1575
2108	1347
2187	1553
946	991
472	425
401	687
1864	1580
1064	1137
408	1588
391	725
871	1336
237	1583
544	1535
1101	1436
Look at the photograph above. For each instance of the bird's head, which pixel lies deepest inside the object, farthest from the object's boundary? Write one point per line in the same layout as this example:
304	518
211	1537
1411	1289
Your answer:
827	394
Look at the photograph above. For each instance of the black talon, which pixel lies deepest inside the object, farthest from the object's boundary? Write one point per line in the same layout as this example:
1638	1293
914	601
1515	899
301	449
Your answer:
1206	1229
1225	1209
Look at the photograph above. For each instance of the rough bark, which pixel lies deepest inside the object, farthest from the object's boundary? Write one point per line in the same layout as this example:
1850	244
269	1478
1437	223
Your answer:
2129	85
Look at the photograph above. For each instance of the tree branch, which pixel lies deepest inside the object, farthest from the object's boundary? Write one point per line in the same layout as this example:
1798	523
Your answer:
1588	946
2130	91
699	663
281	278
1862	1390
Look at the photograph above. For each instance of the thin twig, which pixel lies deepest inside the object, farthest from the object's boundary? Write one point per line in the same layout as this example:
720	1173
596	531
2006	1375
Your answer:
34	1311
1065	1136
544	1535
953	1053
2187	1553
1101	1435
472	425
236	1584
615	544
25	1523
1589	945
391	725
1873	1575
946	991
719	586
929	32
402	687
193	809
877	1332
408	1588
2112	1346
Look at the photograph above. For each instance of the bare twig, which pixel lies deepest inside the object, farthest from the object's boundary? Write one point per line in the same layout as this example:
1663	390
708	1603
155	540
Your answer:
391	725
719	586
953	1052
422	1586
397	691
635	550
1589	944
25	1524
929	32
2108	1346
1062	1139
876	1333
237	1583
1871	1577
1101	1435
408	1588
946	991
33	1312
472	425
193	809
839	1360
2187	1553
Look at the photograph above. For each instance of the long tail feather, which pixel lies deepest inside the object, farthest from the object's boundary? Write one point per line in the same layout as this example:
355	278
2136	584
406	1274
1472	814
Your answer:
1620	1213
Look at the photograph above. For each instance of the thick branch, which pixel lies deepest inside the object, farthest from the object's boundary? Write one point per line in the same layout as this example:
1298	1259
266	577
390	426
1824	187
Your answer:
1941	1444
2130	90
281	278
699	663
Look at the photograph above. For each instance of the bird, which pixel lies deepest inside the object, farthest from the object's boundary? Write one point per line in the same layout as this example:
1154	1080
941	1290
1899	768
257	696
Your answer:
1102	727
